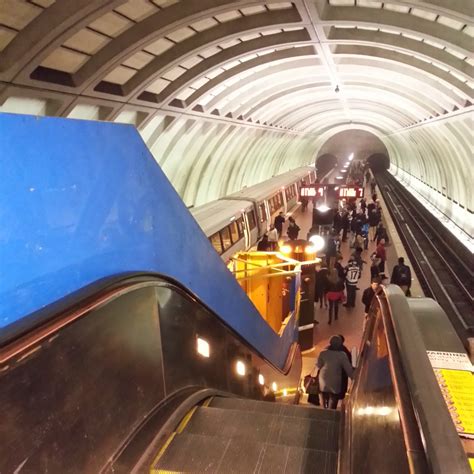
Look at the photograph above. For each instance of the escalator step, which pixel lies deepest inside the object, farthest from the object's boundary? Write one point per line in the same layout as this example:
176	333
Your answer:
192	453
275	408
265	428
197	453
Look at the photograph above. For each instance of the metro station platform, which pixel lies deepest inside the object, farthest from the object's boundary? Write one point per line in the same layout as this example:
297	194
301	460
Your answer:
350	321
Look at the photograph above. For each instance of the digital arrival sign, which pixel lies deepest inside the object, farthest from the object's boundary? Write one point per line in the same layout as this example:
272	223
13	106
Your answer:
324	190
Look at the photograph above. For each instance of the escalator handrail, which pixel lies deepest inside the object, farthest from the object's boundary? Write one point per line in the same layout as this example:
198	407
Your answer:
52	321
443	448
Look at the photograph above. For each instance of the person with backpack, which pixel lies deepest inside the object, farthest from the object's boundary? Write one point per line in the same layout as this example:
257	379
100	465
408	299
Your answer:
352	273
401	276
374	220
335	293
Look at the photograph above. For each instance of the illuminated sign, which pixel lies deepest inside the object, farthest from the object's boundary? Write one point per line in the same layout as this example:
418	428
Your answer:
351	192
312	191
341	192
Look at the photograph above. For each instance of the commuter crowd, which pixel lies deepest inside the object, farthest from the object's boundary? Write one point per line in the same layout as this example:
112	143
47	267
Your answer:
337	282
359	222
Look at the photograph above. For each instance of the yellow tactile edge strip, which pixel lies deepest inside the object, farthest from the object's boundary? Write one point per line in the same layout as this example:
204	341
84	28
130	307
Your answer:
179	429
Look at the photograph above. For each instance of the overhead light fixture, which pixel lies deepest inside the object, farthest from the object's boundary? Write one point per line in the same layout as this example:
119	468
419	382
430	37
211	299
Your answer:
203	347
323	208
339	177
261	379
240	368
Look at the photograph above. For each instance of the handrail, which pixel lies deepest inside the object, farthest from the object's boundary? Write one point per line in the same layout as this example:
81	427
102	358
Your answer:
106	293
443	448
428	432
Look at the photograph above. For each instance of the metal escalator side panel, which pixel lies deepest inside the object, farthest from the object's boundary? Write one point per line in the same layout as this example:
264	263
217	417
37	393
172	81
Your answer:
84	393
443	448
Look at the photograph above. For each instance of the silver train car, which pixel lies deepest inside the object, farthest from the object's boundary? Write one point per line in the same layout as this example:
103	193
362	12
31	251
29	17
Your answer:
236	222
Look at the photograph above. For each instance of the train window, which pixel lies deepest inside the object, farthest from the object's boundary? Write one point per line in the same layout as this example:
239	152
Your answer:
234	232
251	219
290	192
240	226
263	216
225	236
271	205
216	242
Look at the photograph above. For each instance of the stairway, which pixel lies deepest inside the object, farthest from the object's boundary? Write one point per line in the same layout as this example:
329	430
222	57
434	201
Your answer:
233	435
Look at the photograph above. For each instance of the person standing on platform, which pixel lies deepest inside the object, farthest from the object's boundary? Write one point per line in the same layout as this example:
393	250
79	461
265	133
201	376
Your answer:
279	221
401	276
273	238
337	222
374	267
293	229
381	254
381	233
331	249
357	256
367	177
352	273
373	185
304	204
335	293
263	245
346	224
374	220
331	363
321	284
369	294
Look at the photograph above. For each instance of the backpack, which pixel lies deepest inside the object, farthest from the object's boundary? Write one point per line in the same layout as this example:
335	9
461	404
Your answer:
403	275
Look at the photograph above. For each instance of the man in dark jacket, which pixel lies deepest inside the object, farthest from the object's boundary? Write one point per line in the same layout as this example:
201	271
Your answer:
279	221
293	230
369	294
401	276
374	220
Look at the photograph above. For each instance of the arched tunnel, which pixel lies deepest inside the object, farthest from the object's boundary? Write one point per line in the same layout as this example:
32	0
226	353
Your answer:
227	93
141	334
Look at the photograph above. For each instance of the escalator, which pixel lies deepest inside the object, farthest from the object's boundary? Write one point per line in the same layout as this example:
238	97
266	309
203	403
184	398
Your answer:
127	346
238	435
117	384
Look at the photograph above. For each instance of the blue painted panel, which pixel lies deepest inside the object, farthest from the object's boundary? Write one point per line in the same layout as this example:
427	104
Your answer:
81	201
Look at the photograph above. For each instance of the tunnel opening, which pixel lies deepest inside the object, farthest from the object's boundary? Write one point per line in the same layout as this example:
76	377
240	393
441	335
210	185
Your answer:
379	162
325	163
359	144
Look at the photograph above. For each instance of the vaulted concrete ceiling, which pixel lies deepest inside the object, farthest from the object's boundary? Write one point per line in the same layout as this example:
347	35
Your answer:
227	93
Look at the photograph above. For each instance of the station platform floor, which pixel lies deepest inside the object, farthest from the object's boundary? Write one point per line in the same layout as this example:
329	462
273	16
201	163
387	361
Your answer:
351	320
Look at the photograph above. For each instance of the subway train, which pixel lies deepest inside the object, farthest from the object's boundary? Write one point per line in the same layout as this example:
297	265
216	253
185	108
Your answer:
236	222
